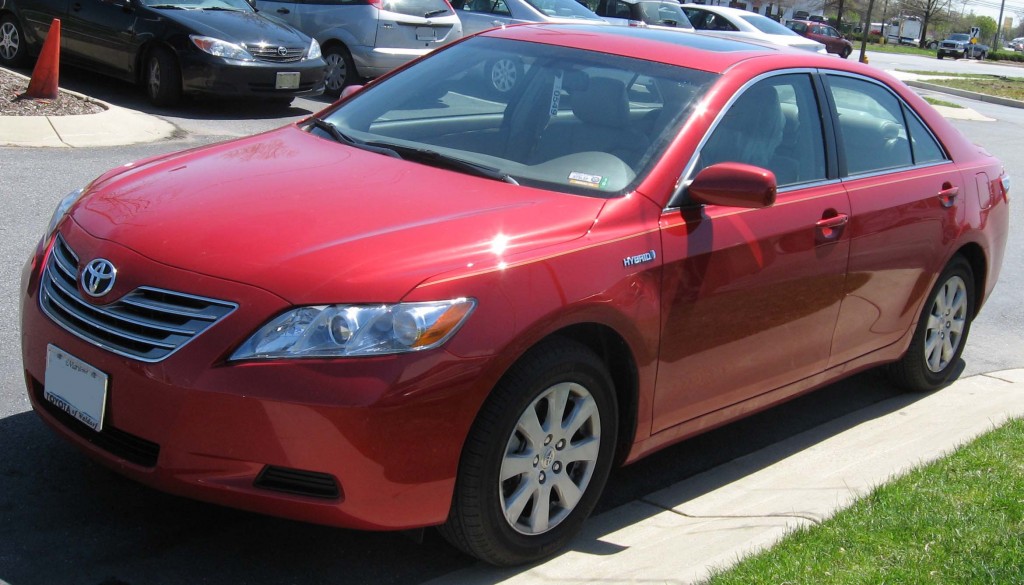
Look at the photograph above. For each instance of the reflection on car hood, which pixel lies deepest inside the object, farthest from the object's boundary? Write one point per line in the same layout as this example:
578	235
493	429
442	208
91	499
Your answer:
236	27
316	222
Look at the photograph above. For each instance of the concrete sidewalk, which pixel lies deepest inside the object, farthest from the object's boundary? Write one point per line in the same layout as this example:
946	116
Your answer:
112	127
680	534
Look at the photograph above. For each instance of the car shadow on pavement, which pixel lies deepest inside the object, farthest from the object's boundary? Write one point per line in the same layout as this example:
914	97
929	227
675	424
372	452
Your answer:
65	519
131	96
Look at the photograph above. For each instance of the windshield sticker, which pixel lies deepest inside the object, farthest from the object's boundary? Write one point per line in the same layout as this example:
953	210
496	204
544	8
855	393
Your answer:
588	180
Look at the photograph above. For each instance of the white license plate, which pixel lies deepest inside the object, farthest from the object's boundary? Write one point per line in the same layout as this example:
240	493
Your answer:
75	387
287	80
426	33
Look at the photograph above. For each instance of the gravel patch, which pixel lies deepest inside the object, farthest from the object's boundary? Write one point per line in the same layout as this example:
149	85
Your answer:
12	86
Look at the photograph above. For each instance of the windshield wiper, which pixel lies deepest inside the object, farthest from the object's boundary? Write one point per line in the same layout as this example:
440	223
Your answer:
343	138
434	158
435	12
167	6
222	8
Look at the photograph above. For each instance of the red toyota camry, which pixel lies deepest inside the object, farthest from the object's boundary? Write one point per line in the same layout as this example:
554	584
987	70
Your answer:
431	305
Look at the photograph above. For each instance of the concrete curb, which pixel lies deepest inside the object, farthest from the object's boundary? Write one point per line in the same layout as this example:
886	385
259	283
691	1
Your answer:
113	127
685	532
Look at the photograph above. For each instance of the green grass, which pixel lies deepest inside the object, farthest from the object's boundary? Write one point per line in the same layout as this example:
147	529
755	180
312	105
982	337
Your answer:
959	520
948	74
1006	87
938	102
903	49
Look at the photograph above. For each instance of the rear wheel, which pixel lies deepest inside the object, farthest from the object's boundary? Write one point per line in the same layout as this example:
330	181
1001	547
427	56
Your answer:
341	71
163	78
941	331
845	52
13	51
537	457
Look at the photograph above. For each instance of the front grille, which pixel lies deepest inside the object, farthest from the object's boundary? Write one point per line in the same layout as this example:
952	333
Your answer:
271	53
297	481
147	324
111	439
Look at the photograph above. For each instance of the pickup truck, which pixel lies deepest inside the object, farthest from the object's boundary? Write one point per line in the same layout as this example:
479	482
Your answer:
959	46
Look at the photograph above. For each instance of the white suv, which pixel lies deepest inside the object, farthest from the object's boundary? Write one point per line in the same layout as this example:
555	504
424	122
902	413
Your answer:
368	38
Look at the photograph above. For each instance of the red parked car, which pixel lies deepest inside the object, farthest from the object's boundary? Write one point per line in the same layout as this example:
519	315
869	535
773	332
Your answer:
824	34
430	306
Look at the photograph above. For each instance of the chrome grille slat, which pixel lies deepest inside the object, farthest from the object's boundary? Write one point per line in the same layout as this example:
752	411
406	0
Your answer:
269	53
147	324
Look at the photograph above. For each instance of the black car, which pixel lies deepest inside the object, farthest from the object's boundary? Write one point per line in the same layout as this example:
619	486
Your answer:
171	47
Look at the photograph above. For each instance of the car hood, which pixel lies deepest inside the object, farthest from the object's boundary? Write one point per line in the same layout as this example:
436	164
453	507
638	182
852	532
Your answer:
236	27
314	221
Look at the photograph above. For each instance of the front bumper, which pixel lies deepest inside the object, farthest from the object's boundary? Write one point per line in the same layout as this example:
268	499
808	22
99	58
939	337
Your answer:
269	437
206	74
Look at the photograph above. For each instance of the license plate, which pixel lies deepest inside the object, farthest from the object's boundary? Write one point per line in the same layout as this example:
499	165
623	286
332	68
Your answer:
426	33
288	80
75	387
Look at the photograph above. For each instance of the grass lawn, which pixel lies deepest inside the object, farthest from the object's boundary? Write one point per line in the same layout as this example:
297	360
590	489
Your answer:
938	102
1007	87
959	520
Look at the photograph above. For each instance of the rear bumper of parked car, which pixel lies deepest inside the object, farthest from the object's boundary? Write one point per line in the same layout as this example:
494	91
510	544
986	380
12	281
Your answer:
374	62
355	443
205	74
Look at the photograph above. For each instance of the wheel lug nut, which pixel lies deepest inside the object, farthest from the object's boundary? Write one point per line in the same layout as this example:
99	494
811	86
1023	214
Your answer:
536	460
542	477
547	440
560	445
557	467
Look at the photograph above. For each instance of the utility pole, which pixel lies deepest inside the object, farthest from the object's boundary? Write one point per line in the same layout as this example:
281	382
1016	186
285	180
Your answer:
999	26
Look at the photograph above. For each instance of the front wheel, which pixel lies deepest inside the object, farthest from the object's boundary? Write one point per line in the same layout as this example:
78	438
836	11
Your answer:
941	331
982	55
341	70
845	52
536	458
163	78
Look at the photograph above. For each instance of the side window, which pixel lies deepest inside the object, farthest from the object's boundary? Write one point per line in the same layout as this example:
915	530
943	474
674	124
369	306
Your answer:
922	143
871	126
775	124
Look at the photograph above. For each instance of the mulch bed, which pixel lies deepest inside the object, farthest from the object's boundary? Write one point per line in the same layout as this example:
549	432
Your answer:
12	86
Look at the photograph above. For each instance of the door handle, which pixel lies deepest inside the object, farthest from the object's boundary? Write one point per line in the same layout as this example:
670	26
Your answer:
830	227
283	11
948	194
496	23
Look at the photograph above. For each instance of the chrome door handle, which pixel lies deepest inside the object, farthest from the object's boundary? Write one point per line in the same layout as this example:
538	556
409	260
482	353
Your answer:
948	194
829	228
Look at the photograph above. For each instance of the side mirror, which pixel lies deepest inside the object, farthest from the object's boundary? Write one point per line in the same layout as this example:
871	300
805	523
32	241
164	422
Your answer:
352	89
734	185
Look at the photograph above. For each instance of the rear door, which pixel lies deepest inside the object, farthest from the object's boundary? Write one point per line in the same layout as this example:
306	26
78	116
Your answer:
907	201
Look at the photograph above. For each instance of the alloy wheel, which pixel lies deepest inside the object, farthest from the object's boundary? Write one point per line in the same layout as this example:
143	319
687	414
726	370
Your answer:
946	322
504	75
549	459
10	41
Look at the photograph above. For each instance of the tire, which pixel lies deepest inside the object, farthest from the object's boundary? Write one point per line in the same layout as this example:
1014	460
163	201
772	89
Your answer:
932	45
341	70
941	331
162	78
13	48
982	56
939	55
547	458
503	75
845	52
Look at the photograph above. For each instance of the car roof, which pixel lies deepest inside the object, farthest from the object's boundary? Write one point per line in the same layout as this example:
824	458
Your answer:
680	47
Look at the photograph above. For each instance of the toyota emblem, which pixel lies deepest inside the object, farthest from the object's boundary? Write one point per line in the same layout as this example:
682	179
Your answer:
282	51
98	277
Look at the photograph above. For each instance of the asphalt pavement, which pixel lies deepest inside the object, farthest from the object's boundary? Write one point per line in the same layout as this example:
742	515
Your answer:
682	533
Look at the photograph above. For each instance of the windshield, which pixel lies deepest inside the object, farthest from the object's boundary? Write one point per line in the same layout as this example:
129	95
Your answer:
575	121
201	4
767	25
563	9
960	37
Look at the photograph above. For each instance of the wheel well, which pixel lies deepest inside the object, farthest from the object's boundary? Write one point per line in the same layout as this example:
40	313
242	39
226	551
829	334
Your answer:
975	256
143	54
615	353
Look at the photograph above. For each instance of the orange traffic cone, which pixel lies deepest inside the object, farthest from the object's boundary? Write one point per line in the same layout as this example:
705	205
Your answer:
43	84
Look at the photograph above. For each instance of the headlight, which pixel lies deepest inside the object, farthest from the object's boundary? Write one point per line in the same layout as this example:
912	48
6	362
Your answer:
219	48
62	210
314	50
356	330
